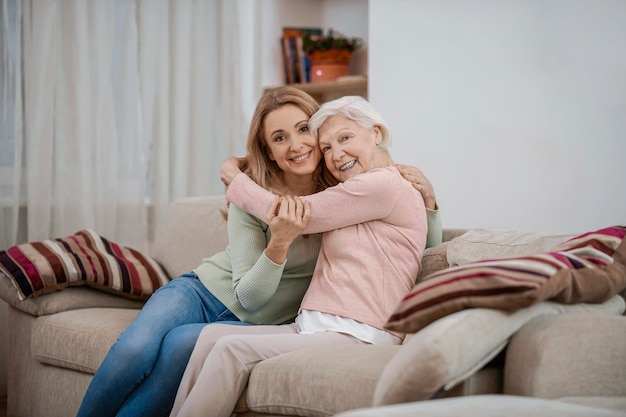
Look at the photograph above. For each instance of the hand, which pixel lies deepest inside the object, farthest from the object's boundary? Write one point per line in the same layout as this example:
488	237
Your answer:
419	181
287	219
231	168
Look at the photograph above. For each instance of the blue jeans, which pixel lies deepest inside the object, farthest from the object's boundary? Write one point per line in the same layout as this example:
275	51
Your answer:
141	373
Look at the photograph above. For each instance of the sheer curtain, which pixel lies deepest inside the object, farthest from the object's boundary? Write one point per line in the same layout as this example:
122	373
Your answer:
113	108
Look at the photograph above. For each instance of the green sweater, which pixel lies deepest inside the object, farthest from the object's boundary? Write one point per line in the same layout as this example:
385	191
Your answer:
256	289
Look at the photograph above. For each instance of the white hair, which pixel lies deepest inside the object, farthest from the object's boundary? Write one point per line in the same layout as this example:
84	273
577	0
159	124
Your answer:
356	109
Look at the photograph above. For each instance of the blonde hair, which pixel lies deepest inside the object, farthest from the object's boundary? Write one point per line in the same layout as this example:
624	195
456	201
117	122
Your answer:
260	167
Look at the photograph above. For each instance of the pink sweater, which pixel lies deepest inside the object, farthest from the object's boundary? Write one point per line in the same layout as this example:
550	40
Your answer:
375	233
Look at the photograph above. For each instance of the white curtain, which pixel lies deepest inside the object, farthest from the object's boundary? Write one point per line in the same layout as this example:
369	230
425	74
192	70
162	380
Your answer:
115	107
110	109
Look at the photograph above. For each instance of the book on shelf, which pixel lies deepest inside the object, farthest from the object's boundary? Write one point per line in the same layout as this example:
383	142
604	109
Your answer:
288	57
297	64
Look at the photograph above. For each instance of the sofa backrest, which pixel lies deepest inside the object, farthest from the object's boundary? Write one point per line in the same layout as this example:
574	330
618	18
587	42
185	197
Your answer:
193	228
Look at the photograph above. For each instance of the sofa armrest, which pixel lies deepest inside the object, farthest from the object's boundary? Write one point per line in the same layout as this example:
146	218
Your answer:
70	298
568	355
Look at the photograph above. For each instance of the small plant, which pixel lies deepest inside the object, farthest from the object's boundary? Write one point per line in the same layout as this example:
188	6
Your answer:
333	40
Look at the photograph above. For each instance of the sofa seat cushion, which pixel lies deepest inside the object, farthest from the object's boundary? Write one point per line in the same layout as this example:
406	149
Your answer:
293	383
78	339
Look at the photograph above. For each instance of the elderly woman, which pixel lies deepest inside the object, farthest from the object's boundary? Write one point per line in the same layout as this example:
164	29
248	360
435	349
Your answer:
375	229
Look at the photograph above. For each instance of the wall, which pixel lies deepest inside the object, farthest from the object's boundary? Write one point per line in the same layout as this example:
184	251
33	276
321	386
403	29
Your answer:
516	110
349	17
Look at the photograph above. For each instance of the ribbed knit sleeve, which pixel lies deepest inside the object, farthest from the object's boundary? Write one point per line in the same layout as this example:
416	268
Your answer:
255	276
435	231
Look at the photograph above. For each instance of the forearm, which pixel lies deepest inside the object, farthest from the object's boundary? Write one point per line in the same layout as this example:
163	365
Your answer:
255	276
373	194
277	251
435	231
249	196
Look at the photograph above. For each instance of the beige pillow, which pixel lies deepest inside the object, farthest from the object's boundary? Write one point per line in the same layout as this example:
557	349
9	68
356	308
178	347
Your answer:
451	349
433	260
479	244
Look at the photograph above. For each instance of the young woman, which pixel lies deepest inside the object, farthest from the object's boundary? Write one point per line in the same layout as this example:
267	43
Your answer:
260	279
375	230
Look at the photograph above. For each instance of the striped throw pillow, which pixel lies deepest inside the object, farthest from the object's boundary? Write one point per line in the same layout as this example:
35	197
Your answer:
587	268
84	258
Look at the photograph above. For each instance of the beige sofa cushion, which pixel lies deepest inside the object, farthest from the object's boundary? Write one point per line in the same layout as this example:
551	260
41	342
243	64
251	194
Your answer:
452	348
69	299
479	244
433	260
292	383
192	229
539	357
78	339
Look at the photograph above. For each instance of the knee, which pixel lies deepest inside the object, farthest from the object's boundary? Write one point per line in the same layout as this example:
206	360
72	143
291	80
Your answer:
234	348
182	339
176	291
133	347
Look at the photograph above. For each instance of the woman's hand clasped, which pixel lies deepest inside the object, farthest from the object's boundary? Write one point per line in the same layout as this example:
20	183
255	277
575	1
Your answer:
287	219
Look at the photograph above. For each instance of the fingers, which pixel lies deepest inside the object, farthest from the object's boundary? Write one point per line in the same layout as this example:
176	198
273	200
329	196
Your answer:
409	170
293	208
229	169
419	181
306	215
274	208
242	162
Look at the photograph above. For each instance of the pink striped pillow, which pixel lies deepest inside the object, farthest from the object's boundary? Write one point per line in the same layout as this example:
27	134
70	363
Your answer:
587	268
84	258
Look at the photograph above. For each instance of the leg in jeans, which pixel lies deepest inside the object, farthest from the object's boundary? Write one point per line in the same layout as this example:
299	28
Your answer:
182	301
224	356
155	396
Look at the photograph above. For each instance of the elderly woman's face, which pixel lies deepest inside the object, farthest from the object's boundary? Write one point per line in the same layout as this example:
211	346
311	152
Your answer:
350	149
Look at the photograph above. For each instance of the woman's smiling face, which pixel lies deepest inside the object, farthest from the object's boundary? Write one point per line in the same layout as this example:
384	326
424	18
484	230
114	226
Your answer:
349	148
289	141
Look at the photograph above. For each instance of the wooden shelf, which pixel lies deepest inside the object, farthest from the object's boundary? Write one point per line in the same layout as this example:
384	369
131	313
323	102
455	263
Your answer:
330	90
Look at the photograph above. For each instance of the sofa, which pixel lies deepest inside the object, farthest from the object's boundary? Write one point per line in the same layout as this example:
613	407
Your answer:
547	350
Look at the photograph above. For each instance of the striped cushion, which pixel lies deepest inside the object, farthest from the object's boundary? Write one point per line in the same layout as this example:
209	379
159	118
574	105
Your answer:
587	268
84	258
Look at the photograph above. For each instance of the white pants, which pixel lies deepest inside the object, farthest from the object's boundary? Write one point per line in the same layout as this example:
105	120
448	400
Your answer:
224	356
